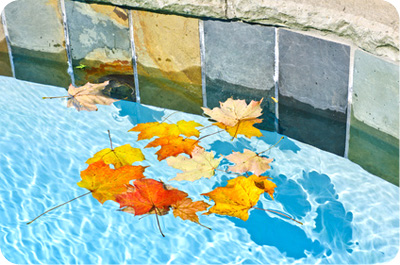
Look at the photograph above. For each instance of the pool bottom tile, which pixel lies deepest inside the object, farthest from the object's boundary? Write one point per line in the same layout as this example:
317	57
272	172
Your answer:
5	66
171	90
375	151
41	67
164	93
219	91
325	129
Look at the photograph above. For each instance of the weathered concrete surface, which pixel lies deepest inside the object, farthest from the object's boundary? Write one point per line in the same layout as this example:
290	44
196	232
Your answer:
372	25
206	8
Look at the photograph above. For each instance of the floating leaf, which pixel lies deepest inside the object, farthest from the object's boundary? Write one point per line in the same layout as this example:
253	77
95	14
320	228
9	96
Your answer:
173	146
236	198
120	156
150	129
187	209
202	164
265	184
149	194
232	111
86	97
236	117
242	127
105	183
249	161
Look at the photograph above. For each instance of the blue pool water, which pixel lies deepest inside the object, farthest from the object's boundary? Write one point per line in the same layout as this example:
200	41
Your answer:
349	215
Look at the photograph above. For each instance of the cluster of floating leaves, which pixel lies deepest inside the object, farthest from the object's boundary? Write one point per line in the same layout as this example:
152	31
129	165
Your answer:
111	174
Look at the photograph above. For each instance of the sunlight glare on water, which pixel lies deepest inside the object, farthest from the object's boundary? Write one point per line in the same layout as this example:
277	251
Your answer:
349	215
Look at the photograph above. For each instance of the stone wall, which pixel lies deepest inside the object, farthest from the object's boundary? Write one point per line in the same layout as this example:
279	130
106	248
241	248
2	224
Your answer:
372	25
331	92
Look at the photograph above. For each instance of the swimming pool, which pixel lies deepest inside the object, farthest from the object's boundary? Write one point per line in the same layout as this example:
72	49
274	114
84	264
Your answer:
349	215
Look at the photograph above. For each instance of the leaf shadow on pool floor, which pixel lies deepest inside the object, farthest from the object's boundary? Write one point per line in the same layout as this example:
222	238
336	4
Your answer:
137	113
285	144
227	147
332	223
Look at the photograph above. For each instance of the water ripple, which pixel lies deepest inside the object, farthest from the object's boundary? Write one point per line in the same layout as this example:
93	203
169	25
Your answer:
44	147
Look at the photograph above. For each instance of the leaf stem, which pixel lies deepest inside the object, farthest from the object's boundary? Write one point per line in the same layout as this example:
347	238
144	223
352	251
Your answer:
58	206
205	127
158	222
228	172
56	97
271	146
237	129
204	226
279	213
109	136
169	115
209	135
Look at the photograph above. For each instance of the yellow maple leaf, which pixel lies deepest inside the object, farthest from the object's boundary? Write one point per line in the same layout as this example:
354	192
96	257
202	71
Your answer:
201	164
236	198
105	182
265	184
119	156
150	129
242	127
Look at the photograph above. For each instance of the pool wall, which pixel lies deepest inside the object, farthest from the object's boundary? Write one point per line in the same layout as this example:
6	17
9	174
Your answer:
333	67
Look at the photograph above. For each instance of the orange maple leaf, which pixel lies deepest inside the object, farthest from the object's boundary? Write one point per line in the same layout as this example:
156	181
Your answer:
236	117
150	129
149	196
172	146
105	182
187	209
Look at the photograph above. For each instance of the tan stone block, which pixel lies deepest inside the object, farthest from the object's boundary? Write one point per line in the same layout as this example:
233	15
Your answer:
167	46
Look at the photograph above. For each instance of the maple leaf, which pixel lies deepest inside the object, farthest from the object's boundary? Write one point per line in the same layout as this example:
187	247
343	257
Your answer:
202	164
242	127
86	97
120	156
234	110
187	209
105	182
235	199
236	117
149	194
150	129
172	146
264	183
249	161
